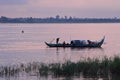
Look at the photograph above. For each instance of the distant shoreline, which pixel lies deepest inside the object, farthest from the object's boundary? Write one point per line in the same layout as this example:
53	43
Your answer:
57	22
57	19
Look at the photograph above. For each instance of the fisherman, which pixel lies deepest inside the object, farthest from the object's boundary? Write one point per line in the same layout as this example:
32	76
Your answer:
64	42
57	40
89	42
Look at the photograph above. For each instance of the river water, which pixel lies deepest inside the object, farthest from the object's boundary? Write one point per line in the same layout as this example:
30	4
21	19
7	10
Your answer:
17	47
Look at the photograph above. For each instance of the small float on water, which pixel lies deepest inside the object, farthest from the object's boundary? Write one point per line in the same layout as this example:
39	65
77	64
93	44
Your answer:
77	43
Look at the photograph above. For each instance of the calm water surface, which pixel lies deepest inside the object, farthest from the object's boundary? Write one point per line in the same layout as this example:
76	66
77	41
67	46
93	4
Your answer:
17	47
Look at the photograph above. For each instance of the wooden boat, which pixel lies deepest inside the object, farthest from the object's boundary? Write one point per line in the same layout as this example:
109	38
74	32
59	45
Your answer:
78	43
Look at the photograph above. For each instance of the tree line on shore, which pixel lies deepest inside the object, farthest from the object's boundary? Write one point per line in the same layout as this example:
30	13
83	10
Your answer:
58	19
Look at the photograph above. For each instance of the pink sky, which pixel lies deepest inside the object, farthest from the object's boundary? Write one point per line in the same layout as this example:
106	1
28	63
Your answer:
46	8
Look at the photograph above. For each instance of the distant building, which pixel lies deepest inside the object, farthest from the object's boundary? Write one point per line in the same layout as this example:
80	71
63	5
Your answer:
65	17
57	17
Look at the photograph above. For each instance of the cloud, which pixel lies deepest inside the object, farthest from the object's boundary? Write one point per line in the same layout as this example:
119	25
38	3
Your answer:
12	2
76	3
44	8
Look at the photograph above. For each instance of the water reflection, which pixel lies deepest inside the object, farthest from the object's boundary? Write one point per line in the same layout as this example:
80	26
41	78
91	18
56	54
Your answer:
43	71
77	54
76	49
99	48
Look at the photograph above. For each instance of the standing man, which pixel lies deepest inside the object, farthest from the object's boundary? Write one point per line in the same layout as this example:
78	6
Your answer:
57	40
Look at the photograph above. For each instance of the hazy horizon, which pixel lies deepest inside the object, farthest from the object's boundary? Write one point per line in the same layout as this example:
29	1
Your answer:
47	8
